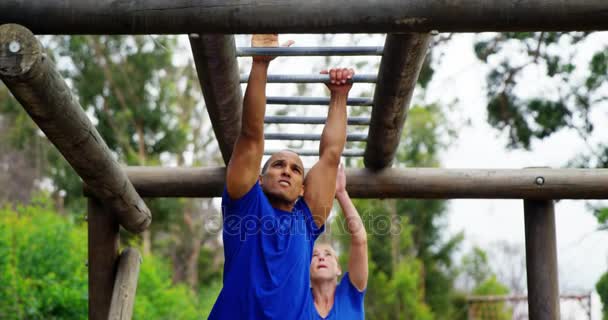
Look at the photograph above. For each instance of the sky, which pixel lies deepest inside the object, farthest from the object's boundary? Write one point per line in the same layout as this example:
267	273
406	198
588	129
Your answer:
459	82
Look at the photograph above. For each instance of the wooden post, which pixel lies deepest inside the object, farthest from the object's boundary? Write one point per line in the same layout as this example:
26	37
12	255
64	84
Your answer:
34	81
401	63
218	74
541	260
103	254
300	16
125	285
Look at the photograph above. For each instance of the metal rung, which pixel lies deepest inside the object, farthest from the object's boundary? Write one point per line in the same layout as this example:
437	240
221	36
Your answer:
310	136
310	153
309	51
357	121
312	78
317	101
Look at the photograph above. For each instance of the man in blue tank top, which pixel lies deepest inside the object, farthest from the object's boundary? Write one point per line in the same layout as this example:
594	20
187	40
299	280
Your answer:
344	300
272	220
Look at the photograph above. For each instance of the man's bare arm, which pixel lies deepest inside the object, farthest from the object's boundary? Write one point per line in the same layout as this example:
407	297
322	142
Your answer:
244	167
320	183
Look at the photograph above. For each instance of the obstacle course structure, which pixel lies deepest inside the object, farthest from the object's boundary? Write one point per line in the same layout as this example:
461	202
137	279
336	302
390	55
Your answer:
115	192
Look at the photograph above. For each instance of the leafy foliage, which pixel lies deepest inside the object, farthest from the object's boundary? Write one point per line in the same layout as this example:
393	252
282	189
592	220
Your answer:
492	310
44	276
42	265
411	268
572	91
602	289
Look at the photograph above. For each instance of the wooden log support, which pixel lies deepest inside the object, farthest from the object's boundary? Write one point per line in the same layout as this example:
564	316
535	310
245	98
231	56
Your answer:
125	286
103	255
541	260
34	81
218	74
401	63
419	183
297	16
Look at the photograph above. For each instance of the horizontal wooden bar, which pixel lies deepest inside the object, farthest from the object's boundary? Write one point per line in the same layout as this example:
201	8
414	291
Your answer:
420	183
33	79
313	153
359	121
297	16
310	78
310	136
317	101
309	51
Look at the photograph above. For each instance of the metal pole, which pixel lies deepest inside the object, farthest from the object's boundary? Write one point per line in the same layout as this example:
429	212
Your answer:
357	121
317	101
309	51
103	255
313	78
541	260
310	136
312	153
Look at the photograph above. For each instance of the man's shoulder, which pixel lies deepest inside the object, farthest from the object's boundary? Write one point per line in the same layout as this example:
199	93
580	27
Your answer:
251	198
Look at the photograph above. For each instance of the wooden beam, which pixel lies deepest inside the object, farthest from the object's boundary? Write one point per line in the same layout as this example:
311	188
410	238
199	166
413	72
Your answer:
541	260
401	63
218	74
34	81
421	183
125	286
297	16
103	255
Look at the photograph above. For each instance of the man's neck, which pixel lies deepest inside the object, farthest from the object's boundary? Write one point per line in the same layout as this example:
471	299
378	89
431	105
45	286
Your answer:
323	293
280	204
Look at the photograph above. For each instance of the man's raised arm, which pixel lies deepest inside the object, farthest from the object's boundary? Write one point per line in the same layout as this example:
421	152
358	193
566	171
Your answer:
244	166
320	183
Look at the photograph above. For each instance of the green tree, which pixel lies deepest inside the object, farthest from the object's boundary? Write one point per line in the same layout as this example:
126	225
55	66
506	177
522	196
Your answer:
44	276
491	310
149	111
480	280
412	272
602	290
426	133
537	117
574	87
475	268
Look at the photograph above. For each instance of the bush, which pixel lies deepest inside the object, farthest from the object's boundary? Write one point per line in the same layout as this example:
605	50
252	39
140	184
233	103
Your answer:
42	265
43	273
602	289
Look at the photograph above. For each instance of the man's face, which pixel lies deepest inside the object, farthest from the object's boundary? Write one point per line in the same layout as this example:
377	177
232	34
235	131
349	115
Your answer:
284	178
324	264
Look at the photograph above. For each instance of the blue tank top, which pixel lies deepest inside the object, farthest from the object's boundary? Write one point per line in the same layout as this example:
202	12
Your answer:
348	303
267	255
